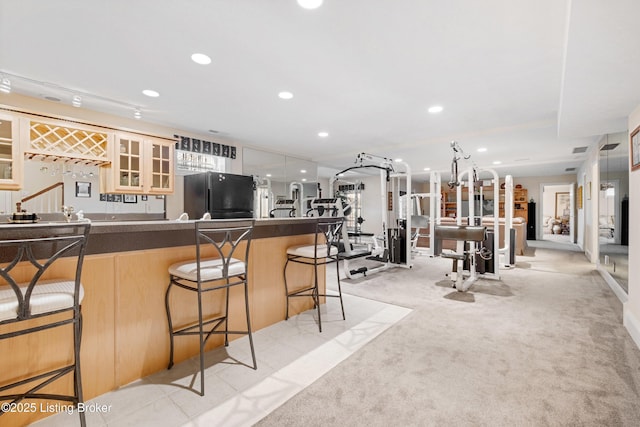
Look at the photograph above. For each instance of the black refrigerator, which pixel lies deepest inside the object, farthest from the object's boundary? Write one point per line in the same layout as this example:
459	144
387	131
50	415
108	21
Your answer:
223	195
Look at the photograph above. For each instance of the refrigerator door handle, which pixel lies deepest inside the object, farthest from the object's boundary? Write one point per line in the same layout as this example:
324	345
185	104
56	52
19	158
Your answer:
208	205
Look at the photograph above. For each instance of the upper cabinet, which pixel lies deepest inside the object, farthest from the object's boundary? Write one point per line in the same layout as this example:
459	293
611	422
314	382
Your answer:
11	159
51	139
127	163
140	165
130	163
160	165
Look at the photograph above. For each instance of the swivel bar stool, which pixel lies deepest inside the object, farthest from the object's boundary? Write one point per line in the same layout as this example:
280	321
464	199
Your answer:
324	251
41	295
228	268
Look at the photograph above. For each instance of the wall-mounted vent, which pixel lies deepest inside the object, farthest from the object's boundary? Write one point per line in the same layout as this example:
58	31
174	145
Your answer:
608	147
570	170
579	150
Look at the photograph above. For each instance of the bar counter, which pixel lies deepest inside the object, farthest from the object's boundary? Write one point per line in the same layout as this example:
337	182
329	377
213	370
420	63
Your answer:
121	236
125	276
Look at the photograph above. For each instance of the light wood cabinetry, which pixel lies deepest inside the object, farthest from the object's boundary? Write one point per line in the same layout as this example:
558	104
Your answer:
520	205
140	165
11	159
51	139
449	204
160	164
130	163
520	197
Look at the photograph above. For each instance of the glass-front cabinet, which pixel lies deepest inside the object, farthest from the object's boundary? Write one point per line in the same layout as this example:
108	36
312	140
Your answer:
128	162
10	157
141	165
161	166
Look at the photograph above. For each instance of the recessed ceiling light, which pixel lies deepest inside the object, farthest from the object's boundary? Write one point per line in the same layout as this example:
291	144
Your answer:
76	101
427	169
323	134
435	109
151	93
482	150
303	171
310	4
137	114
398	160
285	95
268	175
497	162
201	58
304	180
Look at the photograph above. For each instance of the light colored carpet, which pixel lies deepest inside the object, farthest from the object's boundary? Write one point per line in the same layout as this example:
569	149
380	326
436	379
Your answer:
543	346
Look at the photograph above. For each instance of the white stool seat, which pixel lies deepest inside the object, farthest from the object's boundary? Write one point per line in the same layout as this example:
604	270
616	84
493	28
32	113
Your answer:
308	251
47	296
210	269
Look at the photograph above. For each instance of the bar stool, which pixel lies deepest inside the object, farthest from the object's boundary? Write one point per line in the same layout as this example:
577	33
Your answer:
37	248
228	268
324	251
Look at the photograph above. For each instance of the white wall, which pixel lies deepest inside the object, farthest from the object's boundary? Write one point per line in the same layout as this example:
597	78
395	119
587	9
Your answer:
632	306
532	184
549	199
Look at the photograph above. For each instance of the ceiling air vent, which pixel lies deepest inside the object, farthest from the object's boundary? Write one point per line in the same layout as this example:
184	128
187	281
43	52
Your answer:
570	170
579	150
608	147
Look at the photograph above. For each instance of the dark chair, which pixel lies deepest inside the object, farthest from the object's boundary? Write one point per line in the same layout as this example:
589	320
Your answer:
227	268
324	251
42	296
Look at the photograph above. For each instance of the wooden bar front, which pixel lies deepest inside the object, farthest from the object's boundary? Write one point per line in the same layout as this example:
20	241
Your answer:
125	332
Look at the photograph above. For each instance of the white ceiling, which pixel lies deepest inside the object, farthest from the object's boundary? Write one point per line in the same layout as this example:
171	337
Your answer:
529	79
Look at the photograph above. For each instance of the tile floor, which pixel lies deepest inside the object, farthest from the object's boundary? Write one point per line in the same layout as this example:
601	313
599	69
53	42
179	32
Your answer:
291	355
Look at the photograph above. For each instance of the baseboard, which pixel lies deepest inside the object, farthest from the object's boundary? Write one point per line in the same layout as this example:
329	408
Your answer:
632	324
587	253
615	287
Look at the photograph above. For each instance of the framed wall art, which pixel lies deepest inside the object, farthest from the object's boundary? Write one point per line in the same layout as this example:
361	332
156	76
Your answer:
635	149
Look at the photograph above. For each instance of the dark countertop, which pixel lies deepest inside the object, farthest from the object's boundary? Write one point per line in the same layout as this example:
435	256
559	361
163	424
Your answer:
123	236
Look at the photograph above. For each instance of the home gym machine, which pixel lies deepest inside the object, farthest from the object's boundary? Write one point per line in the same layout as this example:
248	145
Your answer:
473	248
419	221
366	253
301	193
262	197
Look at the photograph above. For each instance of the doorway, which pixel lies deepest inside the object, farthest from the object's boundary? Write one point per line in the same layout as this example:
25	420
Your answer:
557	219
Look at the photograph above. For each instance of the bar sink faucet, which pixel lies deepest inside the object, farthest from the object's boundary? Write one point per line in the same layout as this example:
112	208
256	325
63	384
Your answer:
68	212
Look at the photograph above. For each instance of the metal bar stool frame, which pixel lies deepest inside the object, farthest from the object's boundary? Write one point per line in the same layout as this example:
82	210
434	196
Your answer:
225	238
325	251
41	246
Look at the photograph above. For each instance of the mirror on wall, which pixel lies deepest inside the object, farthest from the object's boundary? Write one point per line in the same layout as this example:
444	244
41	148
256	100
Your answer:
50	185
280	178
613	207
